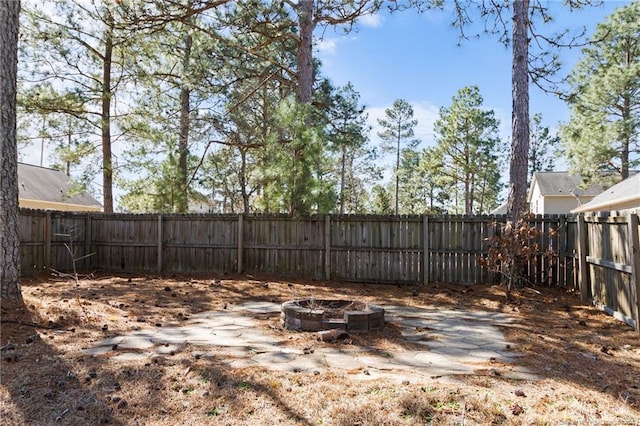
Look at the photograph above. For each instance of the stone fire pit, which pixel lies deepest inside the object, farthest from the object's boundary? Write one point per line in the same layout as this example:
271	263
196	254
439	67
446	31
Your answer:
319	314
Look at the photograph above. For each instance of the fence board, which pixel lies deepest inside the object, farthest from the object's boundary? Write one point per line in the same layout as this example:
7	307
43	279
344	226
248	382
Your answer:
284	246
200	243
124	242
32	234
377	249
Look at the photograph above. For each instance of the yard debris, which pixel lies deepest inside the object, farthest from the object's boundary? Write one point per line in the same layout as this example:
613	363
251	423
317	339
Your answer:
516	410
8	347
332	335
59	418
12	357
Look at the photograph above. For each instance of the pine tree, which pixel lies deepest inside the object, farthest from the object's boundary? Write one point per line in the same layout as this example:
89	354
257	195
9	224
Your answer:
601	139
172	111
543	147
467	150
297	179
83	45
347	131
519	23
397	131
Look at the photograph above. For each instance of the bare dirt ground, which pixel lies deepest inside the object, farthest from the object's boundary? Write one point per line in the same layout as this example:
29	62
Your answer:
588	362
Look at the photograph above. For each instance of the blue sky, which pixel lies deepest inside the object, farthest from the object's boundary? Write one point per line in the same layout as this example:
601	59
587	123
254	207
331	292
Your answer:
419	58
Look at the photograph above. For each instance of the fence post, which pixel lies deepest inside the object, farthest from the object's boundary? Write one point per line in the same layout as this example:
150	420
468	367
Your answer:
563	254
634	261
160	248
87	241
425	250
327	247
47	239
583	282
240	241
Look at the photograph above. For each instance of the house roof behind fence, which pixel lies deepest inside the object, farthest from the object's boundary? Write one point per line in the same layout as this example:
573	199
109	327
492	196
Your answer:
564	184
44	184
624	195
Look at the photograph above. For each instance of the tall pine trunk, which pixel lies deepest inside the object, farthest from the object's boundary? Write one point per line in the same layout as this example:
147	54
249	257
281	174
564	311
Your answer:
9	240
305	51
246	201
107	160
516	205
343	168
398	170
627	136
182	201
468	195
304	93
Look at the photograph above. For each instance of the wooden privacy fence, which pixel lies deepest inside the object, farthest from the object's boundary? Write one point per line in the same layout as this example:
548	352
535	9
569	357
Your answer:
395	249
598	255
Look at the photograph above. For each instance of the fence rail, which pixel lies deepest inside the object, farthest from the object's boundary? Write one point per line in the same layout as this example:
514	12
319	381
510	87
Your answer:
596	256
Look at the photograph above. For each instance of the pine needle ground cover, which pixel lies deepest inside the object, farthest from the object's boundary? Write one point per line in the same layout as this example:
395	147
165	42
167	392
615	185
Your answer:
587	363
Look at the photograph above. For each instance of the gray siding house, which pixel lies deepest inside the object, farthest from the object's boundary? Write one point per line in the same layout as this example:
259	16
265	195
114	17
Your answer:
559	193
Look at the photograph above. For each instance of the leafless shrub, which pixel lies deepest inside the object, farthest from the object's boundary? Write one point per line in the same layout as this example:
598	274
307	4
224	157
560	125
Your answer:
512	250
72	248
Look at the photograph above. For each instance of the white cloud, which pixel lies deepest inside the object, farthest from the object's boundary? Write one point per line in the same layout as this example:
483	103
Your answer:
326	46
371	20
426	113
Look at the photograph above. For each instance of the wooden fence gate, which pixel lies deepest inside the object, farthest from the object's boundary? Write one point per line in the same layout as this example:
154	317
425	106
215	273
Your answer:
609	254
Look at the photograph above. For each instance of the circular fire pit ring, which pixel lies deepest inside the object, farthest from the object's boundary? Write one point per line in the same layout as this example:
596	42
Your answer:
320	314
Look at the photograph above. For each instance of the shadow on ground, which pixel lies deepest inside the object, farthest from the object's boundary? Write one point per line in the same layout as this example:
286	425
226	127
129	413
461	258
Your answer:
561	339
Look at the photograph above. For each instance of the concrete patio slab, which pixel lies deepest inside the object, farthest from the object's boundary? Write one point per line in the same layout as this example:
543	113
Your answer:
454	342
